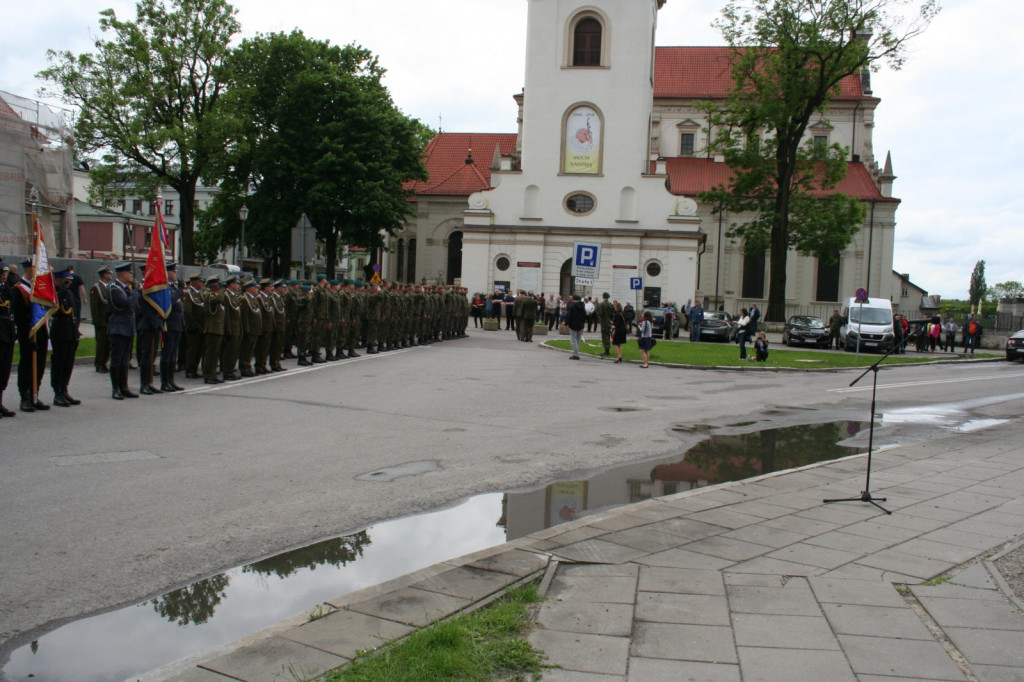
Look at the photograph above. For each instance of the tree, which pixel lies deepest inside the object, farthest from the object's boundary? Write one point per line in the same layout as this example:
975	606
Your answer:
1007	290
321	137
789	59
976	291
149	97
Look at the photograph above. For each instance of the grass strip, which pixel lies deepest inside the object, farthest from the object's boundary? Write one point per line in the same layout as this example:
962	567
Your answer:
728	355
86	348
489	644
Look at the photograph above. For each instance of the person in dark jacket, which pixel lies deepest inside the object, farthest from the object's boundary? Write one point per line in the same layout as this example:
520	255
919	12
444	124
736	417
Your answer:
64	340
172	337
575	319
32	347
121	330
151	323
7	337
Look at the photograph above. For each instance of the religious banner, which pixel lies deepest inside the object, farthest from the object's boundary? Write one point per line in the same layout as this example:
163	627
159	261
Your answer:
582	142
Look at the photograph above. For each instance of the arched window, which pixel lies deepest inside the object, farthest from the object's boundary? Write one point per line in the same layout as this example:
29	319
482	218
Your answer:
586	42
400	267
454	257
410	275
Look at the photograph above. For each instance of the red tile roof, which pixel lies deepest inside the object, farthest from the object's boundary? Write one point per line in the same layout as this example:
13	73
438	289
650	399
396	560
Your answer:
689	176
446	160
704	73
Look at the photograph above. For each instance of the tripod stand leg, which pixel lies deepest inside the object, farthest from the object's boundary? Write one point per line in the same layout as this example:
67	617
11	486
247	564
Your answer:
865	496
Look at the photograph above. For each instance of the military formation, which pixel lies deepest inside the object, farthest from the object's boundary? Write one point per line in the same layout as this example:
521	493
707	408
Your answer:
237	327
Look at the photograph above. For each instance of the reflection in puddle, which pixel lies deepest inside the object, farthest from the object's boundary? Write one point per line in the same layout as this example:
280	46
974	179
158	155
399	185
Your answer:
717	459
128	642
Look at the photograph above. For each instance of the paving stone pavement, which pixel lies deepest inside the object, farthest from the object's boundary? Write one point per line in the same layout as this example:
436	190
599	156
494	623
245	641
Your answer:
754	580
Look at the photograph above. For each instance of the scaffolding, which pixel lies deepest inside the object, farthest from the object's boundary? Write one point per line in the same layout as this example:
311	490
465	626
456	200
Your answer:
36	151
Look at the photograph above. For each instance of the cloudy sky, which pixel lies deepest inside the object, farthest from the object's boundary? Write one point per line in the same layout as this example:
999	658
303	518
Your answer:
951	117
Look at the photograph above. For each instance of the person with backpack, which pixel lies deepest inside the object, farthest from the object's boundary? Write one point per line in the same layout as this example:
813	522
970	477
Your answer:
972	332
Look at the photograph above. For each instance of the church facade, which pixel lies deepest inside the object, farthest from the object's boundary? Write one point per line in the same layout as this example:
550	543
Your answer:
608	162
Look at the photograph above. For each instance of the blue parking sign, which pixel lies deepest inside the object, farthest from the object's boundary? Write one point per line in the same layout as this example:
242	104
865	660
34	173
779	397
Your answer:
636	283
586	259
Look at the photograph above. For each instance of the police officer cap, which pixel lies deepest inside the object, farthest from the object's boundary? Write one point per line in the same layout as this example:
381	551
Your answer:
3	266
212	280
172	267
63	273
104	270
321	276
231	280
248	283
27	263
123	267
195	277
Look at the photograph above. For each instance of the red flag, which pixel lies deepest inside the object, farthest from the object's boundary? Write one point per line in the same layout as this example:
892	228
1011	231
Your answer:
43	294
154	282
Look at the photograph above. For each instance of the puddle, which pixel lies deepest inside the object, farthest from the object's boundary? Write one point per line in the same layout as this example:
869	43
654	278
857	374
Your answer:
128	642
975	424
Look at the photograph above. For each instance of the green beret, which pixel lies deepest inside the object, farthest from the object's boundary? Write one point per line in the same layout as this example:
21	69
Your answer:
359	284
347	281
307	283
305	287
292	281
321	276
334	282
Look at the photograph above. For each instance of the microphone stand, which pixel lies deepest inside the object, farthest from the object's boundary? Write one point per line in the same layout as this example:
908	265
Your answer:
865	495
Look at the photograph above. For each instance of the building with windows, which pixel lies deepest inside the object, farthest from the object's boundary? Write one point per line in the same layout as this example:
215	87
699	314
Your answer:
611	151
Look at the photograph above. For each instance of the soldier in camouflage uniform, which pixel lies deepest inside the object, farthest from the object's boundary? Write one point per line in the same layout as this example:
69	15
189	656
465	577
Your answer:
371	318
355	318
213	330
333	317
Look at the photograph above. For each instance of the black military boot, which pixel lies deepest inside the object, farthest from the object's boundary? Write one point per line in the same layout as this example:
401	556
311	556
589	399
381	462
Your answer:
170	379
370	350
115	383
303	361
317	359
59	400
26	403
39	404
4	412
329	357
353	354
67	396
125	391
165	379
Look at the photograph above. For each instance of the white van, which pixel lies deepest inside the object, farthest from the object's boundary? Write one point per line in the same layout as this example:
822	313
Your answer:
867	324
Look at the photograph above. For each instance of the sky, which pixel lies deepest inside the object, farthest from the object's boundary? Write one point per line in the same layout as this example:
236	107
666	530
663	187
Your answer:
950	117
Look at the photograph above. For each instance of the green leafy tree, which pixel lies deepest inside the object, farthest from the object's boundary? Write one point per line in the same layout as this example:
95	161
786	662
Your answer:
321	137
149	96
976	291
789	59
1006	290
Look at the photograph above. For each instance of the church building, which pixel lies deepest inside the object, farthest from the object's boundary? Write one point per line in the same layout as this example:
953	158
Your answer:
597	191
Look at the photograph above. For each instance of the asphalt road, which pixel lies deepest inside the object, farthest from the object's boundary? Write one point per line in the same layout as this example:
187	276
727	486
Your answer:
108	503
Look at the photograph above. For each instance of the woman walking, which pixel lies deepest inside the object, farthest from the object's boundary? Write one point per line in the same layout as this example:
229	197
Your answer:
645	330
618	331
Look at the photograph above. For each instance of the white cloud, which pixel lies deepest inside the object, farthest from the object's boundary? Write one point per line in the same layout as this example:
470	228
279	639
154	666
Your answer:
950	117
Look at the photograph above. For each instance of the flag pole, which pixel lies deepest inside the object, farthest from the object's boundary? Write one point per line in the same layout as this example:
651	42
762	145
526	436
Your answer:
33	198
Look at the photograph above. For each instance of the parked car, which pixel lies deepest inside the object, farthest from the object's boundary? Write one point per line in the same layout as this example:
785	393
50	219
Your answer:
1015	346
658	315
718	326
805	329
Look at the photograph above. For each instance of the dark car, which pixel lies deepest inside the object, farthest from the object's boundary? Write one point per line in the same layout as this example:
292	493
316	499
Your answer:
658	315
718	326
805	329
1015	346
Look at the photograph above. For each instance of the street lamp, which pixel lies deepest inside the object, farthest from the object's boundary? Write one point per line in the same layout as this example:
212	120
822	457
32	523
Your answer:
243	214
